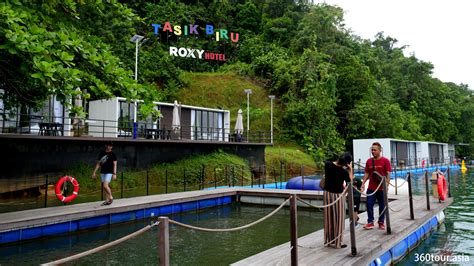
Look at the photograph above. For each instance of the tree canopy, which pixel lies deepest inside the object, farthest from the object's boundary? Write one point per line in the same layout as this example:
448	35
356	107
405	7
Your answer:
333	86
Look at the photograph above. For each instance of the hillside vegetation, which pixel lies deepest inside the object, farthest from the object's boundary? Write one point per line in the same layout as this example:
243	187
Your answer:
332	86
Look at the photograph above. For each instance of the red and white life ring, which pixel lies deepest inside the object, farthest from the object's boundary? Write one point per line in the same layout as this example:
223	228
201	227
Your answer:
442	187
59	188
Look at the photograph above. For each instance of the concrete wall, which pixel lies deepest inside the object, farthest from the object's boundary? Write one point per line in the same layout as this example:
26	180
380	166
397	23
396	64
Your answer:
25	156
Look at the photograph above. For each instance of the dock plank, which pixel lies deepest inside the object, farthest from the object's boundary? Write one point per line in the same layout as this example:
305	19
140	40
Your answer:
370	243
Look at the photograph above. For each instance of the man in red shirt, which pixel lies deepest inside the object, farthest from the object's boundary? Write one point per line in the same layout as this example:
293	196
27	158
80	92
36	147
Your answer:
381	165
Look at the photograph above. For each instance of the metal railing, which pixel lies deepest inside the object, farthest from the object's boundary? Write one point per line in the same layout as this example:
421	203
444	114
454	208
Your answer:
65	126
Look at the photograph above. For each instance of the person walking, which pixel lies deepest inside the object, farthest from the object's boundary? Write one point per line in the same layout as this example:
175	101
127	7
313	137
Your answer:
107	162
381	165
336	173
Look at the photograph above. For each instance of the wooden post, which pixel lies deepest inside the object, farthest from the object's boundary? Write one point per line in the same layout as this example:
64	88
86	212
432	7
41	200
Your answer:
352	220
427	191
294	230
410	198
385	199
164	241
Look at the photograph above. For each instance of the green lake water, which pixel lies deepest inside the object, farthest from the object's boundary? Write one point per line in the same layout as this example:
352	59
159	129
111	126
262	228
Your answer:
456	236
187	247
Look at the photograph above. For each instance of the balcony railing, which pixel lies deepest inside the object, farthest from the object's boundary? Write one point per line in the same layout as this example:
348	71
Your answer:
74	127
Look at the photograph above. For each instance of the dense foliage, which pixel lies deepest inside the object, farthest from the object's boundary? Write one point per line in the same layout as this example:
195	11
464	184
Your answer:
333	85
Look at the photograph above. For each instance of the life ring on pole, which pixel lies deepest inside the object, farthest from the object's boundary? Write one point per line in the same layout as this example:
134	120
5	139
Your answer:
59	189
442	187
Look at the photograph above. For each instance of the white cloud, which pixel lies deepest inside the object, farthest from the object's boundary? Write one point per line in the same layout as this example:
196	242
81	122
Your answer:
436	31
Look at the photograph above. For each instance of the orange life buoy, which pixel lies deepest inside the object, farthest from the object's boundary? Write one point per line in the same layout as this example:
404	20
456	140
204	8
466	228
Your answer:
442	187
59	185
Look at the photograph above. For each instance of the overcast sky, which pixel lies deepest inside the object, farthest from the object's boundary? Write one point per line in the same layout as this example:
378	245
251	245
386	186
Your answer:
440	32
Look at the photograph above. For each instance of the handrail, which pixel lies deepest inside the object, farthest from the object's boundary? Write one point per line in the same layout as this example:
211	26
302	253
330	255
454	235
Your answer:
100	248
231	229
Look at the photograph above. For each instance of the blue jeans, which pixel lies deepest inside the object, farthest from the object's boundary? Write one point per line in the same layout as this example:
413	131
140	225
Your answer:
378	196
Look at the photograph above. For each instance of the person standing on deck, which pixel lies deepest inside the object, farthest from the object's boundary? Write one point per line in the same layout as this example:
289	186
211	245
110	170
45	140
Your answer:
335	174
107	162
382	166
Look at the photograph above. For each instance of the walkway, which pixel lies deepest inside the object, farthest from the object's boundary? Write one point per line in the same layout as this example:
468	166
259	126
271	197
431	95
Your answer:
370	243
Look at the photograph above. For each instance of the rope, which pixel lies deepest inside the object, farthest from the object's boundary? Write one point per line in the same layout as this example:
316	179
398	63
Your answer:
373	193
394	210
327	205
235	228
398	186
100	248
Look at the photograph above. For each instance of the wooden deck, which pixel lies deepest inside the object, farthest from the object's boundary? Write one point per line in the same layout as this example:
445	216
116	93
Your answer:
370	243
51	215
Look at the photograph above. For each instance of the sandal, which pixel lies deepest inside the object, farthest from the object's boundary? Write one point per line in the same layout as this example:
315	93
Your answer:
104	203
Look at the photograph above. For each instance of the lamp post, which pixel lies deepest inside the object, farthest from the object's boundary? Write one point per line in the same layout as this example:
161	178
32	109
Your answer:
271	117
248	92
136	39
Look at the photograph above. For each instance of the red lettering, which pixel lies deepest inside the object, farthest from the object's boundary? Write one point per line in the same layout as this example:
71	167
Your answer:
167	27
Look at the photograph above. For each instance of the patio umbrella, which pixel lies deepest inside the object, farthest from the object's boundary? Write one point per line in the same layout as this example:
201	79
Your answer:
176	122
239	125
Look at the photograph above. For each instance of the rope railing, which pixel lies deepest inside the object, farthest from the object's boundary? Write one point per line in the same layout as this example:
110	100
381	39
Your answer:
399	186
100	248
231	229
327	205
373	193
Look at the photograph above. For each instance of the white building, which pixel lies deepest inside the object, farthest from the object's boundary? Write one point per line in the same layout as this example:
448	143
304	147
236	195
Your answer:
404	153
117	117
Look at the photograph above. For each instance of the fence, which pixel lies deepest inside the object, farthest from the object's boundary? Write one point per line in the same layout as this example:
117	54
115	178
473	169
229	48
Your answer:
158	181
163	222
64	126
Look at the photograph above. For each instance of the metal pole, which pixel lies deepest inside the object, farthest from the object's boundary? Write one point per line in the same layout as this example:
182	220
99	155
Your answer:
294	230
166	181
202	176
233	176
385	199
101	191
352	220
251	179
427	191
410	198
215	178
136	60
302	177
242	176
147	181
164	241
396	188
449	182
264	176
46	193
184	178
271	117
121	186
248	115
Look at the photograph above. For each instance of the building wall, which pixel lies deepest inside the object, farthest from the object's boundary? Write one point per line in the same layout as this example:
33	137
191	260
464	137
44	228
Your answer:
362	149
103	118
27	156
